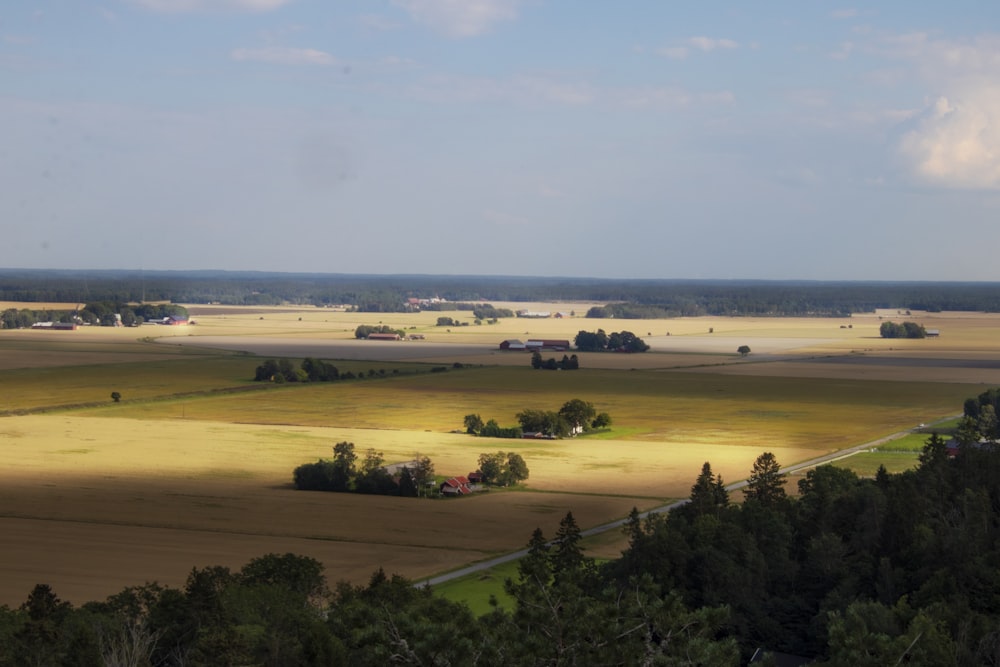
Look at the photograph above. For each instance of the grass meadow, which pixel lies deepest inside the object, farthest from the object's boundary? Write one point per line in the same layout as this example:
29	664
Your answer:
193	467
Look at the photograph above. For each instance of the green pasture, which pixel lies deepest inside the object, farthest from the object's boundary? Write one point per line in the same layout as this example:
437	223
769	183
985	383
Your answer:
866	464
476	589
913	443
653	406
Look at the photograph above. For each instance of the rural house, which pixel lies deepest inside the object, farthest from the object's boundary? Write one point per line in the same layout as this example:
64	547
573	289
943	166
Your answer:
456	486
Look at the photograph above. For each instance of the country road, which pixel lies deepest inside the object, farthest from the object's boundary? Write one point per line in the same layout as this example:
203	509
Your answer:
617	525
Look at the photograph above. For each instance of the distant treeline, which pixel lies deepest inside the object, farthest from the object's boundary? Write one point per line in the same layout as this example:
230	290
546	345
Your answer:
628	299
101	313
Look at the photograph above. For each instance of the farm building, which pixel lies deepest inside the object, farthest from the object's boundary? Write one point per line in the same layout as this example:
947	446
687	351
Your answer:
55	326
547	344
512	344
456	486
534	314
383	336
394	469
953	447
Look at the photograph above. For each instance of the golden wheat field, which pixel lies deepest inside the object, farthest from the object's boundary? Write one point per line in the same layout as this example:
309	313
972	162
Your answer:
184	472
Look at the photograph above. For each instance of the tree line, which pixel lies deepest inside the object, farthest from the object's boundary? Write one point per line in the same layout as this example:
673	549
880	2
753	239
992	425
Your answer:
346	473
567	363
574	417
625	299
99	313
310	370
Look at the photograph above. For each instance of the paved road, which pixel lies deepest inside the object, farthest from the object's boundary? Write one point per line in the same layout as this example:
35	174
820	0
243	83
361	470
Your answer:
619	524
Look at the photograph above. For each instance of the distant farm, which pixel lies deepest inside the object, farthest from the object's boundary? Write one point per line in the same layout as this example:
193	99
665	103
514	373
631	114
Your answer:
192	465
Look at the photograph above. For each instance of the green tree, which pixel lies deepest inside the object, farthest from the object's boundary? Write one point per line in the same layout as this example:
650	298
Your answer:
766	484
300	574
422	473
407	488
39	639
578	413
473	424
935	451
743	350
601	420
492	467
588	341
344	471
517	469
116	396
708	495
567	556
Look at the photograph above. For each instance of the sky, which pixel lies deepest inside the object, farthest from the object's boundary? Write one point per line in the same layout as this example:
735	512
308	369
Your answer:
782	140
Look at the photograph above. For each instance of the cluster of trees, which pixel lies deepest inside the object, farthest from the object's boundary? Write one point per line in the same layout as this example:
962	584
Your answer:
904	330
474	425
282	370
979	421
567	363
575	416
450	322
503	468
617	341
487	311
364	329
344	473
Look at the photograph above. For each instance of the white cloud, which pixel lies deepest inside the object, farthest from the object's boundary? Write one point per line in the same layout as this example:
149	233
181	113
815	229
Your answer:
283	56
704	44
460	18
180	6
709	44
957	142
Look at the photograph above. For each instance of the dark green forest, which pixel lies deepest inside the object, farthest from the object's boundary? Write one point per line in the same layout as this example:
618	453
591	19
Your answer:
899	569
624	299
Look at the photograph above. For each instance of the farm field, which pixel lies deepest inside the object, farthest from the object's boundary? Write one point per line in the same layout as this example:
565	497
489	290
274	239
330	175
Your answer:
193	467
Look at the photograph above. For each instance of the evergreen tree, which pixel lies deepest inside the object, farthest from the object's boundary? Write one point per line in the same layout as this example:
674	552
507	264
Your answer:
766	484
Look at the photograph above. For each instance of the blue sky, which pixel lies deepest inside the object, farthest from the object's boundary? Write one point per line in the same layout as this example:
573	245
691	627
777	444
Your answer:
644	139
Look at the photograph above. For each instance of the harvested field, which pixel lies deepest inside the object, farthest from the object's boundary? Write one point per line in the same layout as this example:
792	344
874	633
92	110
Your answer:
214	483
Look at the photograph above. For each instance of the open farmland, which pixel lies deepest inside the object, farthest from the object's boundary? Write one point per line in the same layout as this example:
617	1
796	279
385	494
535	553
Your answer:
193	468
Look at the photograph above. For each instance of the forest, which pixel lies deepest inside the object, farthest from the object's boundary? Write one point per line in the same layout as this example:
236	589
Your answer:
624	299
902	568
